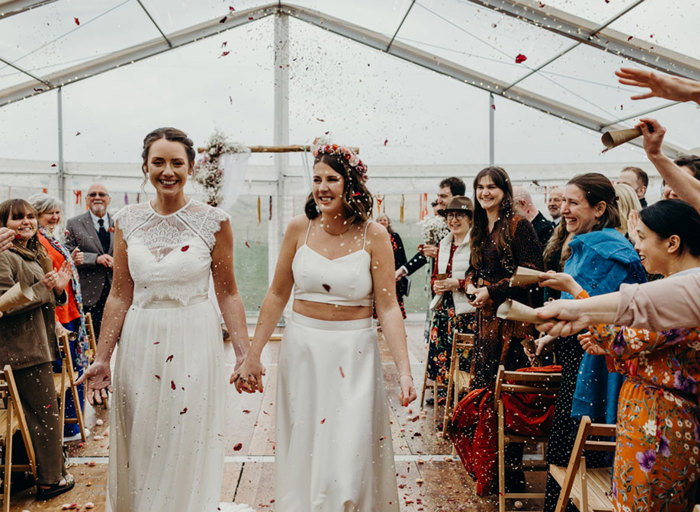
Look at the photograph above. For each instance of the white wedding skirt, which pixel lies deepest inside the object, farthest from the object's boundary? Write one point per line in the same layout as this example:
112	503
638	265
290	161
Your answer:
167	413
333	446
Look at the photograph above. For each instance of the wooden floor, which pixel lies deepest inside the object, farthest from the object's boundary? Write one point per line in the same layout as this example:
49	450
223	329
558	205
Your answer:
427	476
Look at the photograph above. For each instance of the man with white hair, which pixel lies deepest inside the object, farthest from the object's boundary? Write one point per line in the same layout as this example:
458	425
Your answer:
523	205
556	198
92	233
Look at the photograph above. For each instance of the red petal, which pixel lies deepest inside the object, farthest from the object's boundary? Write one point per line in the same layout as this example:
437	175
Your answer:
326	287
386	141
77	133
251	18
185	248
158	377
223	20
172	384
53	165
238	447
156	342
183	411
224	54
77	21
169	358
247	244
323	421
520	58
341	372
246	411
231	9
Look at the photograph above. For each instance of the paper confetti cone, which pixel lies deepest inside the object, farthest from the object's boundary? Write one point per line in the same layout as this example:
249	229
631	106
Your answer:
525	276
512	310
617	137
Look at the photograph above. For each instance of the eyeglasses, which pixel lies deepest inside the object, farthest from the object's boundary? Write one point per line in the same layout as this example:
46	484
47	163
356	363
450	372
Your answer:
455	215
98	194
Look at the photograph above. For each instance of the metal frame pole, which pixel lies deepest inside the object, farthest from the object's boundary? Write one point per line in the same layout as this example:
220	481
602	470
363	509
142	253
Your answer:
492	130
61	170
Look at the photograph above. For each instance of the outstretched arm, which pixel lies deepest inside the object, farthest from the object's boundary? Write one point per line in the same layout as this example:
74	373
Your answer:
98	374
248	377
388	310
660	86
227	295
685	185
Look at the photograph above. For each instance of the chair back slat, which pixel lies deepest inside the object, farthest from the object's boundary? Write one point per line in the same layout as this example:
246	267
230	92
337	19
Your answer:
14	399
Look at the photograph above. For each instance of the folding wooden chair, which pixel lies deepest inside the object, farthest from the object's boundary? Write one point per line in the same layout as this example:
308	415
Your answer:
92	350
457	380
64	382
11	420
588	488
540	383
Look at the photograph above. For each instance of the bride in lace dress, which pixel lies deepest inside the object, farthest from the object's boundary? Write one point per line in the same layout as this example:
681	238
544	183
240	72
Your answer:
167	417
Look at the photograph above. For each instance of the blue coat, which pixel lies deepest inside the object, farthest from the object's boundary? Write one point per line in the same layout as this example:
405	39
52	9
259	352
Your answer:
600	262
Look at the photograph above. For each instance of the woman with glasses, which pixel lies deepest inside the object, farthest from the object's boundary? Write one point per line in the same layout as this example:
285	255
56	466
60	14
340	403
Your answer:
452	311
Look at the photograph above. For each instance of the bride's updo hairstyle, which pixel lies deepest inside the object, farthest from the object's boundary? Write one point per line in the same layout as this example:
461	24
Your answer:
167	133
357	199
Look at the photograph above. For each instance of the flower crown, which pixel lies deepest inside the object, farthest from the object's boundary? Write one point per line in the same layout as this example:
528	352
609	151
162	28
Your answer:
320	148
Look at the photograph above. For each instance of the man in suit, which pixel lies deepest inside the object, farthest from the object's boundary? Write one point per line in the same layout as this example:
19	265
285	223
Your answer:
556	198
449	187
92	233
638	180
523	205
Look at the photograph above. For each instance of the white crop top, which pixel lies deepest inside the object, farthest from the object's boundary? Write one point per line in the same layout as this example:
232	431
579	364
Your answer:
343	281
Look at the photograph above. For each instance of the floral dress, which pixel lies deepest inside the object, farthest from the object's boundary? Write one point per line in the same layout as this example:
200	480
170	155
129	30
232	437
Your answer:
658	435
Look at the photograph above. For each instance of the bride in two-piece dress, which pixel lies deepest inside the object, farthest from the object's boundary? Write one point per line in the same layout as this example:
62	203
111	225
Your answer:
333	449
167	416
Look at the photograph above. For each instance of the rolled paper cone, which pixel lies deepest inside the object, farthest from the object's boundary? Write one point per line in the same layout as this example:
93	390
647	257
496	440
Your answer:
440	277
617	137
15	297
529	344
525	276
512	310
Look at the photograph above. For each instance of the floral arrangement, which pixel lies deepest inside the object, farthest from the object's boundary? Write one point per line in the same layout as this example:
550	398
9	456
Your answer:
207	170
321	146
433	230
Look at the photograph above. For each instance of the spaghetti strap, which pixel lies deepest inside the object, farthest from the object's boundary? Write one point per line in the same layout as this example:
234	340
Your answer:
307	232
364	241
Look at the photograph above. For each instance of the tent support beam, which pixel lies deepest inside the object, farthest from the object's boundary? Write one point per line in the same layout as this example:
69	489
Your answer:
606	39
12	7
61	164
492	130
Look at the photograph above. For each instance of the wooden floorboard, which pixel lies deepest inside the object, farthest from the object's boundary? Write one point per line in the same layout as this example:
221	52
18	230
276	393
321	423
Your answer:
424	484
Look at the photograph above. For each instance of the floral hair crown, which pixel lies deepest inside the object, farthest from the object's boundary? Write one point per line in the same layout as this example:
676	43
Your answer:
321	148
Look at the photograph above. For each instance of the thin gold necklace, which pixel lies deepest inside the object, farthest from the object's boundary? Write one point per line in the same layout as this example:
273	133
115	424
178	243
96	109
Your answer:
334	234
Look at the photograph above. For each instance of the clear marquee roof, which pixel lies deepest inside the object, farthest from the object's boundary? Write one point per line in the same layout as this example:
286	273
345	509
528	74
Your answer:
555	56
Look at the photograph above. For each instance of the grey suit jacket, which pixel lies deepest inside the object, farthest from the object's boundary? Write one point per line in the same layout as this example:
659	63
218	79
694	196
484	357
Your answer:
93	276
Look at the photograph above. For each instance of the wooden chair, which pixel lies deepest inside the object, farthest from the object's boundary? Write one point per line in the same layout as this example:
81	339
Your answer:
588	488
436	387
520	382
92	350
457	380
11	420
64	382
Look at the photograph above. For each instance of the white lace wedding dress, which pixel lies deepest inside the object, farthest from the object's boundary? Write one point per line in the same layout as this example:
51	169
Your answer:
167	413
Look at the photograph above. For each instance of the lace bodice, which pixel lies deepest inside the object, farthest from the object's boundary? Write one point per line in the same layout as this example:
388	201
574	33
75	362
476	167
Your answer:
170	255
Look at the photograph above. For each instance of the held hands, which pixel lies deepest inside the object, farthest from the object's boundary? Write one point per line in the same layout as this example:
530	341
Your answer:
77	256
429	251
408	390
99	382
562	318
560	281
445	285
6	237
589	344
481	295
248	376
105	260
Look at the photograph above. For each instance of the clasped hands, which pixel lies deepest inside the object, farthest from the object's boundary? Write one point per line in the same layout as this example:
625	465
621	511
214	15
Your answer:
248	376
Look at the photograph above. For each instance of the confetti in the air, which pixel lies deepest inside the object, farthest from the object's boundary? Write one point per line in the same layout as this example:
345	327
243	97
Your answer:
172	385
520	58
342	374
326	287
169	358
77	21
184	249
238	447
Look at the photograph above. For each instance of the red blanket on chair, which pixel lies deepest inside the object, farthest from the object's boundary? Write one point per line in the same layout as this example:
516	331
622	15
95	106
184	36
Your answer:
474	427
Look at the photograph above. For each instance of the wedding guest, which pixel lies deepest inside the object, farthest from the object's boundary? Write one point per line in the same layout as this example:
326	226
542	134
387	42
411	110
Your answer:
399	260
656	457
500	241
556	196
690	164
453	313
449	187
597	260
70	317
523	205
638	180
28	341
333	437
674	88
92	233
627	202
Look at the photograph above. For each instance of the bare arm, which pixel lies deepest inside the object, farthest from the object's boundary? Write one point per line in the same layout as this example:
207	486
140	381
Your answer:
272	307
674	88
98	374
567	317
685	185
227	295
388	310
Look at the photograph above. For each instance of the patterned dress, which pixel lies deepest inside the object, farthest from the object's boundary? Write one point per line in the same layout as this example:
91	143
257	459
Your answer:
658	433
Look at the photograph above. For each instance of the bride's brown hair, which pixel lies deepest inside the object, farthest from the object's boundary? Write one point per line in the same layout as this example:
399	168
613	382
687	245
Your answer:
171	134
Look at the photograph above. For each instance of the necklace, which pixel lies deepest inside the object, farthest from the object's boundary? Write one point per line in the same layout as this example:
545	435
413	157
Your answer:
334	234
